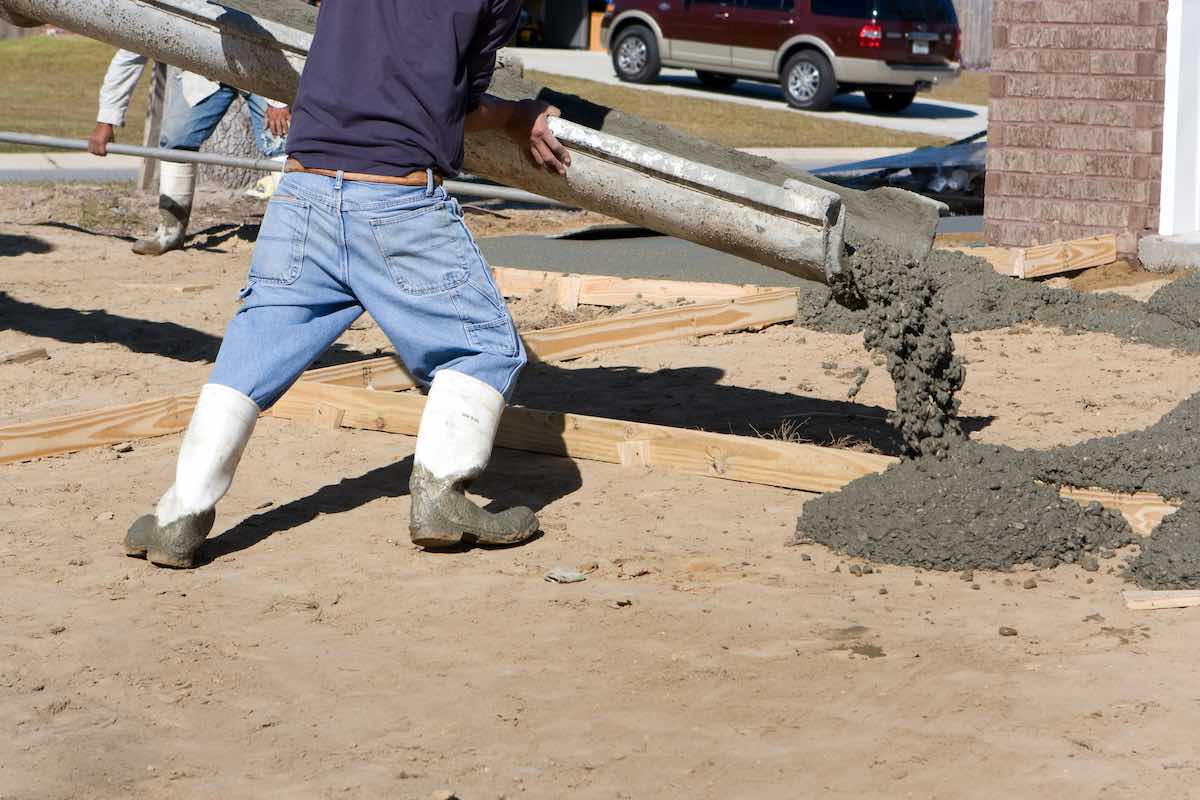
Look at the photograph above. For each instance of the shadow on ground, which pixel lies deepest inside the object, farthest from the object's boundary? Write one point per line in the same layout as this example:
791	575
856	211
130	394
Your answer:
88	326
512	479
855	102
19	245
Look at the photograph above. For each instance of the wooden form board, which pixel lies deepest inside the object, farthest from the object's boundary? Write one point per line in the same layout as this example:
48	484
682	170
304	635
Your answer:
572	290
171	414
1148	600
565	342
739	458
1143	511
1043	260
143	420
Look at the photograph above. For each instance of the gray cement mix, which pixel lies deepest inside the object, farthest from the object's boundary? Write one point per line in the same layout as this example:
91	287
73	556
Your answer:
974	297
904	322
977	507
987	506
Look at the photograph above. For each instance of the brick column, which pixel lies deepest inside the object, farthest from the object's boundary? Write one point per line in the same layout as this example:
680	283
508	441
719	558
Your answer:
1075	134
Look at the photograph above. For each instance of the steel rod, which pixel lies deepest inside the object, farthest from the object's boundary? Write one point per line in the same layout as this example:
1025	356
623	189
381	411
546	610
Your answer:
463	188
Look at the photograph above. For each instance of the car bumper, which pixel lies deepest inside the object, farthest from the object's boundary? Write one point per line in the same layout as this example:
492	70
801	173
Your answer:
873	72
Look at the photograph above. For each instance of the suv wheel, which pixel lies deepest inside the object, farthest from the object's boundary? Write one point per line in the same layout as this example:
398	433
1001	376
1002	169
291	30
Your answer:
808	81
635	55
716	80
890	101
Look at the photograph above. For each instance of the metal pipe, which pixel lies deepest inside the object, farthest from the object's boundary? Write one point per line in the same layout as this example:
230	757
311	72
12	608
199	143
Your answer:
161	153
795	228
460	188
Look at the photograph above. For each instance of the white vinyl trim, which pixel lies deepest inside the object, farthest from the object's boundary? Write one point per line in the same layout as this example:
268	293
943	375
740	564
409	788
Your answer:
1179	201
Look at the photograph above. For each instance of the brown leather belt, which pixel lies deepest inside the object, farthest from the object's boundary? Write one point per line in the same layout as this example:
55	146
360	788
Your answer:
418	178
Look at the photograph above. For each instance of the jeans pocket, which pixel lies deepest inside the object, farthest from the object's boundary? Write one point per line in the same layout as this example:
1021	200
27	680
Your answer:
279	253
498	337
422	249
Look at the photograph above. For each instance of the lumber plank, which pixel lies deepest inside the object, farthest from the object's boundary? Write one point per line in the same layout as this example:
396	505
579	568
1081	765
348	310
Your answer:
1040	261
564	342
745	313
72	432
387	373
1145	600
738	458
186	288
24	356
1051	259
610	290
1143	511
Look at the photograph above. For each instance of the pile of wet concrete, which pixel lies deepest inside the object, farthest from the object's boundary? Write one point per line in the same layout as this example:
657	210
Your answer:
966	505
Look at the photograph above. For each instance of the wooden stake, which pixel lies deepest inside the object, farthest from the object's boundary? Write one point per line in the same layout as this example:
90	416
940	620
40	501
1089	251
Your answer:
1137	600
24	356
148	174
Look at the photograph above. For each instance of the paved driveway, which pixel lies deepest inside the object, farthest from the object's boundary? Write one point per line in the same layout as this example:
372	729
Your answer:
936	117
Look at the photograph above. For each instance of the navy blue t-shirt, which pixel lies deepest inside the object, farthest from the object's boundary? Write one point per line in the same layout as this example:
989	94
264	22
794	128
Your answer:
388	83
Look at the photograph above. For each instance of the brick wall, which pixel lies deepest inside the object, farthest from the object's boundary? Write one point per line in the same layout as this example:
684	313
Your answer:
1075	132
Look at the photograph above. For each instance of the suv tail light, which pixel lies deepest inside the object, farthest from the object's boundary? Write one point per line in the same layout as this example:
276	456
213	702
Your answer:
870	35
958	45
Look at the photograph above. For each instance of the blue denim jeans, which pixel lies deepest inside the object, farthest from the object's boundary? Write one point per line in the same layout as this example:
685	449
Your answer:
328	249
187	127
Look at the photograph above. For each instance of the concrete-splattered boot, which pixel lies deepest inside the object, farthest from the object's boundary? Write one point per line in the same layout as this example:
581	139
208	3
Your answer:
176	187
454	443
212	447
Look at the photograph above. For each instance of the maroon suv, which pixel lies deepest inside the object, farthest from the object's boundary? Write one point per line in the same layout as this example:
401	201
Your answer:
815	49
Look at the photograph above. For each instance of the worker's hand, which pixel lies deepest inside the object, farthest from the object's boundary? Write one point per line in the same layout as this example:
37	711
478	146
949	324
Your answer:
102	134
531	122
279	120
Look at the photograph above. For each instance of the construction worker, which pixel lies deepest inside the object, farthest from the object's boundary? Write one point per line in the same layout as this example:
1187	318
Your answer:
194	108
360	220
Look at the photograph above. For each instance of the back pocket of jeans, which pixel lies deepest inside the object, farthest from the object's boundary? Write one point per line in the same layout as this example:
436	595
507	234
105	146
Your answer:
422	249
279	252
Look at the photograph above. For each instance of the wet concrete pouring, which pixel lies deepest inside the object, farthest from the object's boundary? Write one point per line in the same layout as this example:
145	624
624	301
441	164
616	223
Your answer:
963	505
952	503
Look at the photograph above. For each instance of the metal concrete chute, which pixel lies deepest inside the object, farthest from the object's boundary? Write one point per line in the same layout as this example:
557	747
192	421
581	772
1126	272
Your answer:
795	225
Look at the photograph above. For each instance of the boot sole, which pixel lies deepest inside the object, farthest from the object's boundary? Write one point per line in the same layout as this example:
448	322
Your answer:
442	539
160	558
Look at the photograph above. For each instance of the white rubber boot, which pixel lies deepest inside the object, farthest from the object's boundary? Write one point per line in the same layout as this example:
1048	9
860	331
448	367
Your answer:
212	447
176	189
454	443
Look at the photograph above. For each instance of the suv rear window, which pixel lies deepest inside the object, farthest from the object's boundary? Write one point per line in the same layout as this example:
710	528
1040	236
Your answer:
932	11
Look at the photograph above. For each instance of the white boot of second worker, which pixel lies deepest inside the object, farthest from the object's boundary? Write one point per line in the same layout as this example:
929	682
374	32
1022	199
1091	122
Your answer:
454	443
212	447
176	189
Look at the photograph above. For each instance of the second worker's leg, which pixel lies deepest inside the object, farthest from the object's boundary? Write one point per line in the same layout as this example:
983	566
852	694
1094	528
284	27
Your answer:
185	127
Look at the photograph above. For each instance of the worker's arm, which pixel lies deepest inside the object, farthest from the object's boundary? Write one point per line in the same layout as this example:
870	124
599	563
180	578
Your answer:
524	120
119	82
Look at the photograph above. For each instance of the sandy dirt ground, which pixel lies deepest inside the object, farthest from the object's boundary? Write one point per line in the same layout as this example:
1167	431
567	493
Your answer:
317	654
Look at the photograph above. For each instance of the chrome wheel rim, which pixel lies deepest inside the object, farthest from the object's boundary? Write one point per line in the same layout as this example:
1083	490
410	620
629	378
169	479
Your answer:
632	55
804	80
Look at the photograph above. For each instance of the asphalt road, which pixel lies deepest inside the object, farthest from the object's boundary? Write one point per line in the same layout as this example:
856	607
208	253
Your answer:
649	256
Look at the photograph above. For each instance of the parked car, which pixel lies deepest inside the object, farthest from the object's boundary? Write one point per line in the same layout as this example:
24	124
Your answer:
815	49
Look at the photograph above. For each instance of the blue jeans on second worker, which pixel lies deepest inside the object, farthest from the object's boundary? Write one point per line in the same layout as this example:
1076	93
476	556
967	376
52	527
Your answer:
187	127
329	248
